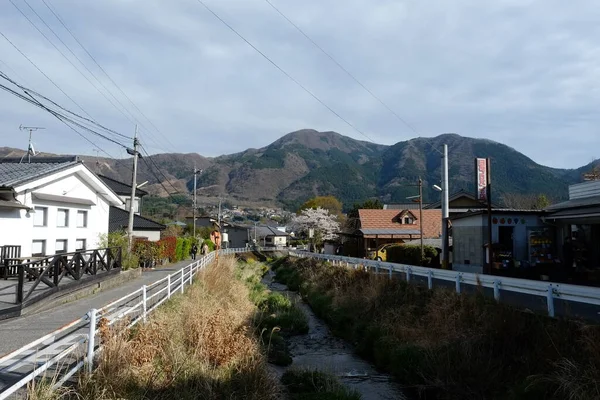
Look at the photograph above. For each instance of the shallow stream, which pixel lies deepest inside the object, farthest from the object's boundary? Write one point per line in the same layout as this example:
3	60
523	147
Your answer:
320	349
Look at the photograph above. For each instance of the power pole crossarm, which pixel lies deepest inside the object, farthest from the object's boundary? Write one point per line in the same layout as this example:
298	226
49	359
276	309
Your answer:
133	186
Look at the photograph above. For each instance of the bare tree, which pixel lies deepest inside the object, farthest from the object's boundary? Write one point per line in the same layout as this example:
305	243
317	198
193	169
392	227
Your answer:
525	201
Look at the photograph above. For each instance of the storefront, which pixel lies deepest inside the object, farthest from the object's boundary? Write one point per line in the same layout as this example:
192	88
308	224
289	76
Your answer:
521	241
577	225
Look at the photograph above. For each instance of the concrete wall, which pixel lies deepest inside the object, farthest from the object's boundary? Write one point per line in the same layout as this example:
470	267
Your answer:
152	236
72	186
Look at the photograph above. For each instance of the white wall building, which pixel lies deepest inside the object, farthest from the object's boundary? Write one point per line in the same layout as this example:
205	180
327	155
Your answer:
52	205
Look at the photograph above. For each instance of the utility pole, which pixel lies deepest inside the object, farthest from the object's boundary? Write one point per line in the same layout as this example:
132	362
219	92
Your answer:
30	149
421	217
445	211
133	186
489	209
194	212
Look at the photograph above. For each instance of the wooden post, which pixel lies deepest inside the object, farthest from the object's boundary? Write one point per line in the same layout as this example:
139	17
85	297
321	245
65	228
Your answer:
489	209
21	272
421	217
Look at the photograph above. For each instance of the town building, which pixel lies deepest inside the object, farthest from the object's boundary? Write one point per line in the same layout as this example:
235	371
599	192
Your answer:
52	205
515	235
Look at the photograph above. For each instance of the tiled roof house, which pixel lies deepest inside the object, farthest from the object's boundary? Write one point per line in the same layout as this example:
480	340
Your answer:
400	224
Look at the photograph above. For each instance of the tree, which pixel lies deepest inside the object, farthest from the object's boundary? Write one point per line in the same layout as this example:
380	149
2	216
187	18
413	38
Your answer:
172	231
329	203
525	201
352	223
325	226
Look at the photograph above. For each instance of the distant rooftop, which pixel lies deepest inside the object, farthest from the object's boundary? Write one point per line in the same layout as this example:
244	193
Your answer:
17	170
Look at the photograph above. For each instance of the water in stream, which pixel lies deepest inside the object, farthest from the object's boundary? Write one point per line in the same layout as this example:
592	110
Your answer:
320	349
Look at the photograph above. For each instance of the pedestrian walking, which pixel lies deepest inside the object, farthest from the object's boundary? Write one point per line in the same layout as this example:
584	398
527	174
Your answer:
204	249
194	251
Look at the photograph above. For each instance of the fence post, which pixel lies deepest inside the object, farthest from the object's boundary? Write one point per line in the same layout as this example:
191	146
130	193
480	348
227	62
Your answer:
430	280
390	270
191	275
21	272
91	340
377	267
407	271
496	290
458	283
169	286
182	280
144	305
550	299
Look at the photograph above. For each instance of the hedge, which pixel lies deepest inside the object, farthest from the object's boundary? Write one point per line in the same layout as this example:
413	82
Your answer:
411	254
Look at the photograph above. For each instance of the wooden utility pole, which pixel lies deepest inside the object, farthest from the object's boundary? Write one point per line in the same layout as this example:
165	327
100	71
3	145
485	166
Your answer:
194	211
133	187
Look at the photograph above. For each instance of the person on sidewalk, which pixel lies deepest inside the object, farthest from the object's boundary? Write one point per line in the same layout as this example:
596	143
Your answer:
194	251
204	249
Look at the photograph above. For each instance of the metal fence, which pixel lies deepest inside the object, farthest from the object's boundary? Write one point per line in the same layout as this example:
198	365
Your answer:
579	300
66	350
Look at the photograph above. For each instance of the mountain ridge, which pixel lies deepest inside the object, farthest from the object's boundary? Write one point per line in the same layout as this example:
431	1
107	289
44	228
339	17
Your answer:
306	163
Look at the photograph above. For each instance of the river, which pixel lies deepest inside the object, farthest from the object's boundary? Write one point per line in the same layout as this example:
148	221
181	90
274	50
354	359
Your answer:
320	349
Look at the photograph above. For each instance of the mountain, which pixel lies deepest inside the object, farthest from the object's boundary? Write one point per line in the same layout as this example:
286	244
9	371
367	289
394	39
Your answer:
307	163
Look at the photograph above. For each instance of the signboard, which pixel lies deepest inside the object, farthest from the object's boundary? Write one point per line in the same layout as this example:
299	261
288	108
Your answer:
481	177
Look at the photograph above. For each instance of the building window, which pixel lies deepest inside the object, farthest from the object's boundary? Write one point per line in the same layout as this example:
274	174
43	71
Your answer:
62	220
40	216
38	248
61	246
82	219
80	245
408	221
136	204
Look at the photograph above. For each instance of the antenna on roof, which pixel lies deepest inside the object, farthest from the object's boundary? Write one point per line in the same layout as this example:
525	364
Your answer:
97	160
30	149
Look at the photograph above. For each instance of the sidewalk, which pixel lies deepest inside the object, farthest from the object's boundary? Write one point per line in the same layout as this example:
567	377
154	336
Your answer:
17	332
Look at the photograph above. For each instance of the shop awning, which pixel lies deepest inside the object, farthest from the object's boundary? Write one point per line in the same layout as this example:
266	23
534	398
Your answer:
576	213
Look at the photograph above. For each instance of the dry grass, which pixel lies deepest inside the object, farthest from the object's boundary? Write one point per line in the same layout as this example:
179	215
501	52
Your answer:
452	346
198	346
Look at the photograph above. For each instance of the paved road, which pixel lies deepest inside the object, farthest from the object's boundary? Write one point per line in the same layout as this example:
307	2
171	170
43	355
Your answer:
17	332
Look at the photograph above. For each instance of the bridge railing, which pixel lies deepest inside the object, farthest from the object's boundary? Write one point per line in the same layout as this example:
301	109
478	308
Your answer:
543	289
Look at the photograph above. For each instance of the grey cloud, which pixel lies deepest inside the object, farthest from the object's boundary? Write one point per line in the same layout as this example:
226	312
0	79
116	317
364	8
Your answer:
521	72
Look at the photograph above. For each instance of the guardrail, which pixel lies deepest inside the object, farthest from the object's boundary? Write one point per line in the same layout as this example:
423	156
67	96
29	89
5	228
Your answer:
548	290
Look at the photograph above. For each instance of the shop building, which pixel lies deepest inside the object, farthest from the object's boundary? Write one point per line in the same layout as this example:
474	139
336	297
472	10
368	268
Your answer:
520	240
579	220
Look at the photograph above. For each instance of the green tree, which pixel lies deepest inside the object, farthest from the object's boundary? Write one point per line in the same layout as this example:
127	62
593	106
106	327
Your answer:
352	222
329	203
541	202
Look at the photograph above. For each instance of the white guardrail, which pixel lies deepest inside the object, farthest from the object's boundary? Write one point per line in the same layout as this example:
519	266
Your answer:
69	348
551	291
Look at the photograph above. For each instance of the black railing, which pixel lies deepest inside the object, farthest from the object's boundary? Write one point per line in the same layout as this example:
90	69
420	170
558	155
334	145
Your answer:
8	265
52	271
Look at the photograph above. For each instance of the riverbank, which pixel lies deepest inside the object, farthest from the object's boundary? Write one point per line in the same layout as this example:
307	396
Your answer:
441	345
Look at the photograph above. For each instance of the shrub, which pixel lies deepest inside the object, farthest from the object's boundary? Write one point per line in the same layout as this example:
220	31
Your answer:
308	384
411	254
168	246
119	239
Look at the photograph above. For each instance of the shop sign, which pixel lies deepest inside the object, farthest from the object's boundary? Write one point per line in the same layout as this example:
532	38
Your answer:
481	176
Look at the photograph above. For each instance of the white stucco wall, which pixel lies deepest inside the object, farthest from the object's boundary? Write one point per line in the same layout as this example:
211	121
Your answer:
152	236
76	182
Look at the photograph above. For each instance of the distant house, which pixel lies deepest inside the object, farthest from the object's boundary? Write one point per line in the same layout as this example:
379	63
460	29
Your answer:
143	228
460	202
269	236
378	227
52	205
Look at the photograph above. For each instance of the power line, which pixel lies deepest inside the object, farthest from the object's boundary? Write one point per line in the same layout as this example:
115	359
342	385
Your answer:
42	72
66	58
159	170
384	104
284	72
55	13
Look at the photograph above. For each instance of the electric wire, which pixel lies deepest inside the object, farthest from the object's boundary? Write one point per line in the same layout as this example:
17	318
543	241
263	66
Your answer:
59	18
290	77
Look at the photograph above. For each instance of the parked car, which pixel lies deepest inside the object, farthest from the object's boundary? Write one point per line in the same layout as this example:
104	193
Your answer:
381	253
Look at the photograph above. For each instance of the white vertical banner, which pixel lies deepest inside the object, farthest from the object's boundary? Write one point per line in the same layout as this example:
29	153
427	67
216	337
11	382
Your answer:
481	177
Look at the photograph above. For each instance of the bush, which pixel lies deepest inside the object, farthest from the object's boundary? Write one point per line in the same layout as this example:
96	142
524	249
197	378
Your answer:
411	254
317	385
168	246
119	239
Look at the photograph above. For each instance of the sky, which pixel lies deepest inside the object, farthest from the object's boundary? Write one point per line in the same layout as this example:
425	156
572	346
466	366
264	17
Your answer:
522	72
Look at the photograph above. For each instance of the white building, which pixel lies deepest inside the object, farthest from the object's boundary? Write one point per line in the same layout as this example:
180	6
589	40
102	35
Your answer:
52	205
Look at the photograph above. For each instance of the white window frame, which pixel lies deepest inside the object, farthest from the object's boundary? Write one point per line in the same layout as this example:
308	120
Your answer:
136	204
43	242
58	212
66	247
44	213
78	242
85	218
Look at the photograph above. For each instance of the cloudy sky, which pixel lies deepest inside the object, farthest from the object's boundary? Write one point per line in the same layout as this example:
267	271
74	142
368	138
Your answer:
522	72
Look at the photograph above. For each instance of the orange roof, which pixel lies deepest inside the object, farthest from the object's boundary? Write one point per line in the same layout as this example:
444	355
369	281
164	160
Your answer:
386	219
